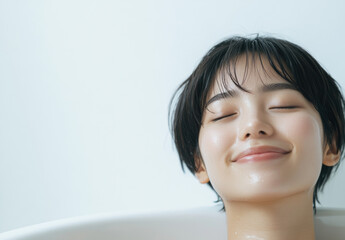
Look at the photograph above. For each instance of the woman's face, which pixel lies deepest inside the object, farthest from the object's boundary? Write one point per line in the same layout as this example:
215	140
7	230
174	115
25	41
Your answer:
263	144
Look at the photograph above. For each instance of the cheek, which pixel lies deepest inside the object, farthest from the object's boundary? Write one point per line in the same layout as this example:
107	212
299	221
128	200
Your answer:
304	127
215	143
306	134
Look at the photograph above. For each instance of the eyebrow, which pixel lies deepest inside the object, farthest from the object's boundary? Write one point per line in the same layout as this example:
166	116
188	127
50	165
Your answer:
265	88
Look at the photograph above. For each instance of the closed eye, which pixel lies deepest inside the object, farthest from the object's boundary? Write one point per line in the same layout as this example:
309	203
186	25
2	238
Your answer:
222	117
284	107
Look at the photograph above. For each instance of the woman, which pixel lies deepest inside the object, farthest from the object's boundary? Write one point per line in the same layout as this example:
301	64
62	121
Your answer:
262	123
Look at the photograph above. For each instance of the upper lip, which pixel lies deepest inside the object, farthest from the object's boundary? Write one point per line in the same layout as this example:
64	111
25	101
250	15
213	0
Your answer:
258	150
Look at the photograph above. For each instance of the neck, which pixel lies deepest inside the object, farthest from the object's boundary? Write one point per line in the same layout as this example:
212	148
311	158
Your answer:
282	219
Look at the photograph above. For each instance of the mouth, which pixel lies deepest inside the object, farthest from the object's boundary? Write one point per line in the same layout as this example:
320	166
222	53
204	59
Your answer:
260	153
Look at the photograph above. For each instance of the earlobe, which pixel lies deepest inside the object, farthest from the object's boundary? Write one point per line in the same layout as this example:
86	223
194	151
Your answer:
202	177
331	156
201	173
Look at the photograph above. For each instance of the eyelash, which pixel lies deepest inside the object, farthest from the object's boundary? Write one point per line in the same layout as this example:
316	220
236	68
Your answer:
284	107
225	116
229	115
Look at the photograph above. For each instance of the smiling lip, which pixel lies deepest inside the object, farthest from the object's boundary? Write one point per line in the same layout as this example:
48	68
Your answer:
260	153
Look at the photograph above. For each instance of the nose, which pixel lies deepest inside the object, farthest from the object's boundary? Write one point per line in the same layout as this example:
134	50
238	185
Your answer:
255	126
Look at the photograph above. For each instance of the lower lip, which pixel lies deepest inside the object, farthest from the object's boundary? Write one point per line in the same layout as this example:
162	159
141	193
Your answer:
260	157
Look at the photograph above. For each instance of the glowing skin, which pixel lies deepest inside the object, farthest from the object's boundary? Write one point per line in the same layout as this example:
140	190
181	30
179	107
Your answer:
263	152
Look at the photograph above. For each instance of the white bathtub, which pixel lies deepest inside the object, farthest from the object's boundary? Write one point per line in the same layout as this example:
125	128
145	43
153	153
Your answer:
200	224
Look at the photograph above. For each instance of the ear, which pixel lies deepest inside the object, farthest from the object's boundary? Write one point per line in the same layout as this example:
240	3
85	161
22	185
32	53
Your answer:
331	155
201	173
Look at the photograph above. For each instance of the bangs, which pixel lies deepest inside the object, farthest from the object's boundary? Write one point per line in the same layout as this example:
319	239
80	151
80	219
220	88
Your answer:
257	56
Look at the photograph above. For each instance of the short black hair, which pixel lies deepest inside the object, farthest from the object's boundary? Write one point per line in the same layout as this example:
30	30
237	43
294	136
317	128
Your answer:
289	61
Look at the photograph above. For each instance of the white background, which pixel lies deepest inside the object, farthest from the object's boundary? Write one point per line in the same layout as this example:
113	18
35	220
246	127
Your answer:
85	88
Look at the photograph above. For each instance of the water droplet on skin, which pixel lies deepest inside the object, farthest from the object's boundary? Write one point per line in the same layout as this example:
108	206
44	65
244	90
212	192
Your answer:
253	237
254	178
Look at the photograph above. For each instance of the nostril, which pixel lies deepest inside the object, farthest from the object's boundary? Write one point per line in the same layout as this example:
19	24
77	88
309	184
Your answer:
259	133
255	129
